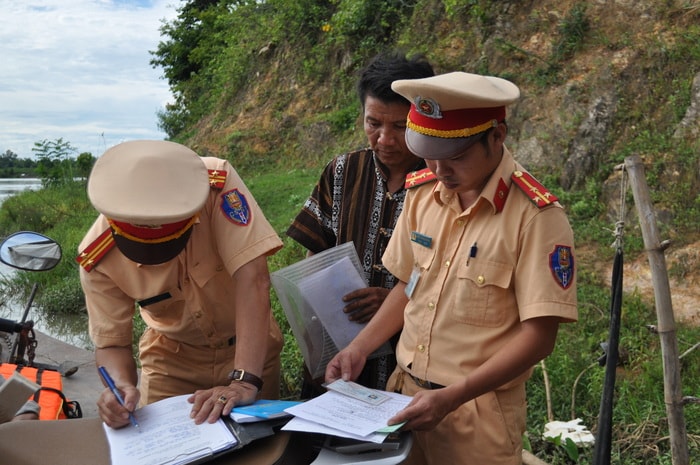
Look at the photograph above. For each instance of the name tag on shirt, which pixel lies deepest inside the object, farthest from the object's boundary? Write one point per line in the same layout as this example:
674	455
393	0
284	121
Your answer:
422	239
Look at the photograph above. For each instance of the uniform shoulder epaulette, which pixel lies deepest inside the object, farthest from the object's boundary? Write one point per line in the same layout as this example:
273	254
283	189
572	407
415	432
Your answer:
418	178
536	192
97	249
217	178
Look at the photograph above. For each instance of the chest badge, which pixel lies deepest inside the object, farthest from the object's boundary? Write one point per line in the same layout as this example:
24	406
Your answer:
422	239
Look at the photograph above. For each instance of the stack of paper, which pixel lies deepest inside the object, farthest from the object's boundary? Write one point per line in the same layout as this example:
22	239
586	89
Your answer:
349	410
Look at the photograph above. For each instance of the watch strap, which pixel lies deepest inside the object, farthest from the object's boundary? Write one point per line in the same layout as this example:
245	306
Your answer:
246	377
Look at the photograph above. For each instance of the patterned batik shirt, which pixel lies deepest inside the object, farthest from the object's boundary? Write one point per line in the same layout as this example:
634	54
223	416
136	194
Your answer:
351	202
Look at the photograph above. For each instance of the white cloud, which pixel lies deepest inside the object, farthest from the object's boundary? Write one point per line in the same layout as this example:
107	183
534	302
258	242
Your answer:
79	70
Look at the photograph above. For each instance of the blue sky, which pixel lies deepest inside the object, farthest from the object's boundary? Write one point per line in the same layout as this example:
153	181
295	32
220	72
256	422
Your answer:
79	70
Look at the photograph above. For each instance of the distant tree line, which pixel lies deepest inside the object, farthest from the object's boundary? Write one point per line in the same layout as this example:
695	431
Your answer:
11	166
56	163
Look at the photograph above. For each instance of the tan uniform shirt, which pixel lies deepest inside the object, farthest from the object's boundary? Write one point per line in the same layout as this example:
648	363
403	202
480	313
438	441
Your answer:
482	271
188	299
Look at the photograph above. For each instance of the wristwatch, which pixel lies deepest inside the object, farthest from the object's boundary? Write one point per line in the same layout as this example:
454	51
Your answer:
246	377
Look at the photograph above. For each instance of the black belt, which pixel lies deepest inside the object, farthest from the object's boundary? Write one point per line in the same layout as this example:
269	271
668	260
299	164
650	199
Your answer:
425	384
221	344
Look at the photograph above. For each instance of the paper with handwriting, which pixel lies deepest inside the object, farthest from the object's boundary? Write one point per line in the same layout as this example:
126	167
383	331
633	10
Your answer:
167	435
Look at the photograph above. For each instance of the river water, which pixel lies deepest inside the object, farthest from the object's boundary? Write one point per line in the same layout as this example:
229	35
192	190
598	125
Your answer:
71	329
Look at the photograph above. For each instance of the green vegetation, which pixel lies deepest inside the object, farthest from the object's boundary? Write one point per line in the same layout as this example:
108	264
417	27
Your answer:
11	166
270	86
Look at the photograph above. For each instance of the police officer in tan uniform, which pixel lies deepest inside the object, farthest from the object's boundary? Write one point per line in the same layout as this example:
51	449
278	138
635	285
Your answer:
181	240
484	255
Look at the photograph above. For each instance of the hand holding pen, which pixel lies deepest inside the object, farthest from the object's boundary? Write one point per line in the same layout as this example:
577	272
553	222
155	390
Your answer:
112	387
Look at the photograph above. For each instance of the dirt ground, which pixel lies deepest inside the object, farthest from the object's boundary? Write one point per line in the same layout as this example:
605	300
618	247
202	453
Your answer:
683	270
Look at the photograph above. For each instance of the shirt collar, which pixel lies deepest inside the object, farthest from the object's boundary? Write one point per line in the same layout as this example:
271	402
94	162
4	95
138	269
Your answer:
383	171
495	192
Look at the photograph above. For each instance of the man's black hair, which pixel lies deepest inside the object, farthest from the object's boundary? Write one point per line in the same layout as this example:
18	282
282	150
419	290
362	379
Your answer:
387	67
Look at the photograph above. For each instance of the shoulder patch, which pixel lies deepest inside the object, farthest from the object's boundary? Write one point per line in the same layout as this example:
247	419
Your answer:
535	191
561	264
235	208
217	178
417	178
97	249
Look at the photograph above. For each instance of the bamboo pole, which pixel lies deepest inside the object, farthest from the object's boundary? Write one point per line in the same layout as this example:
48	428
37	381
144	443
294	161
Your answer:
666	324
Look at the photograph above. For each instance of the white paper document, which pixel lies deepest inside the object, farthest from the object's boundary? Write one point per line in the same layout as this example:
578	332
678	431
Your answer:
358	391
299	424
324	291
167	435
349	414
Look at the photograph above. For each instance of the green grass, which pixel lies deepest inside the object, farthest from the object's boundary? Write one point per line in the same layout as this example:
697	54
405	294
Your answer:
281	196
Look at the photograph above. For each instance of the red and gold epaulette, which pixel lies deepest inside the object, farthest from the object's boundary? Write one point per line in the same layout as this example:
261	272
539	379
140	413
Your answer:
217	178
417	178
97	249
535	191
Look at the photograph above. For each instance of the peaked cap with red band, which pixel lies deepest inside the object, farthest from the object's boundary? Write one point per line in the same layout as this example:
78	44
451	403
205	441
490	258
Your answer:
449	111
150	192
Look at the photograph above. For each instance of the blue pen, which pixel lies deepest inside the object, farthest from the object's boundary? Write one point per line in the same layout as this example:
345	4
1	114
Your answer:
112	387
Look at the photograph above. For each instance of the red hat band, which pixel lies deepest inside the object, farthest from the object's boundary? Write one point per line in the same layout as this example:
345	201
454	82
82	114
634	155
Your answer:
148	234
426	118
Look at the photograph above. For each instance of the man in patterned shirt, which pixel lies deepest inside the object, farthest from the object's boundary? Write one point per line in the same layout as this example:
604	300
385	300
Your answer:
360	194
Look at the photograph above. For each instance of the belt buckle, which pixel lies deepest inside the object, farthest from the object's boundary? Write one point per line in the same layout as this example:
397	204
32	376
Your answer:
425	384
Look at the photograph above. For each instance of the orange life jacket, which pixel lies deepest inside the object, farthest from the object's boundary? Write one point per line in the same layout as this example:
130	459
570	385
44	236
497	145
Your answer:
53	403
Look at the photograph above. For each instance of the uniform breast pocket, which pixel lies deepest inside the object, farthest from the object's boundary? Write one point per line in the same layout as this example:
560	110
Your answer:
482	293
423	256
168	305
204	272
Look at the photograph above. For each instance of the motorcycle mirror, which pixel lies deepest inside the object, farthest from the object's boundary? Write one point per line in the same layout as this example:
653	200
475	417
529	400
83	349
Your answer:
30	251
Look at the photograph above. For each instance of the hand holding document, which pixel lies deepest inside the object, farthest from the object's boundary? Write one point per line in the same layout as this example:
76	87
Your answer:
349	410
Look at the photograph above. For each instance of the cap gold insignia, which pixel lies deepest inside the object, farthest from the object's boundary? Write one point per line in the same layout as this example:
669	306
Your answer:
428	107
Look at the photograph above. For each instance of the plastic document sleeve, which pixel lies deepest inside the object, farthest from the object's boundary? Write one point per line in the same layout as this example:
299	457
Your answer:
311	294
